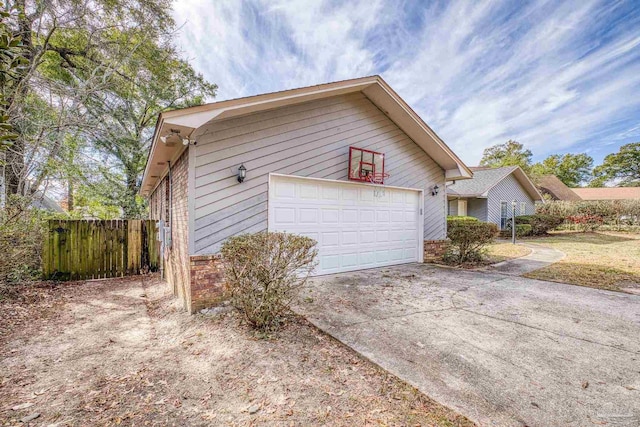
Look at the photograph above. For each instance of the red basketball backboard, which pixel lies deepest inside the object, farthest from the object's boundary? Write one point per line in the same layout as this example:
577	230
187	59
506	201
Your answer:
366	165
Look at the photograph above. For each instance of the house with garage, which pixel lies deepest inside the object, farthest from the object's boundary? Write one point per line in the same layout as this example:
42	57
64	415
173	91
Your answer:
348	164
491	193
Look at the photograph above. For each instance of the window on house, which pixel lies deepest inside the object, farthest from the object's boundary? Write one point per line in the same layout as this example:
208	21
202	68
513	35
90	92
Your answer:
523	208
504	214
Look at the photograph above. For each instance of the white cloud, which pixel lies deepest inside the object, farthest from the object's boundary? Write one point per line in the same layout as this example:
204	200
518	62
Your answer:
554	75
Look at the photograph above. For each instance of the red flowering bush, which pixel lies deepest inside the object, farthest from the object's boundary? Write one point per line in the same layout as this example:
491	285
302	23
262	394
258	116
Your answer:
586	222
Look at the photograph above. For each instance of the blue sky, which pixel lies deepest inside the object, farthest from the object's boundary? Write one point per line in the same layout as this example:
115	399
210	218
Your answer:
558	76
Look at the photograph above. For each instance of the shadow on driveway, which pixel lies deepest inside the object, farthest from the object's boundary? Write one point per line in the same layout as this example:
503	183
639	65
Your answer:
502	350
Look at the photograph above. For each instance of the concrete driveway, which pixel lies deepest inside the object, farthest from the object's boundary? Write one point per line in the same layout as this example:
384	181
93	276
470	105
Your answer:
502	350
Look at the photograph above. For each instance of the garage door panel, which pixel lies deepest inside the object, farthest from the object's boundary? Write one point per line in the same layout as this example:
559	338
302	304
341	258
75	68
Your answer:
383	215
349	196
315	236
330	216
410	253
349	260
397	215
354	227
397	198
285	215
308	216
367	215
382	236
367	237
330	239
307	191
349	216
285	190
366	195
410	217
367	259
330	193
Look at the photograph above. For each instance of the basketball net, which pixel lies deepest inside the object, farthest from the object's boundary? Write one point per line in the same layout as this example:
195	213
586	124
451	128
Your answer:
378	179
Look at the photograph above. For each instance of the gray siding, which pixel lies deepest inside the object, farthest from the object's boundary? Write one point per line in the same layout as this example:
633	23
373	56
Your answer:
310	139
477	208
508	189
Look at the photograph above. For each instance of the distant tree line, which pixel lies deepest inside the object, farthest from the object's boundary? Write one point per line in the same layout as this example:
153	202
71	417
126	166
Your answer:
575	170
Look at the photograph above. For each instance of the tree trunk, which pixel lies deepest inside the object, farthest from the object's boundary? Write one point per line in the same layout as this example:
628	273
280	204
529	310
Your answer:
15	167
130	207
69	195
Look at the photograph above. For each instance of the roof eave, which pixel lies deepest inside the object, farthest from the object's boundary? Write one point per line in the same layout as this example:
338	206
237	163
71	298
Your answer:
189	120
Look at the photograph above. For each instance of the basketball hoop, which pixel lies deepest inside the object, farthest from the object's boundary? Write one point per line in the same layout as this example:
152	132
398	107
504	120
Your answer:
378	179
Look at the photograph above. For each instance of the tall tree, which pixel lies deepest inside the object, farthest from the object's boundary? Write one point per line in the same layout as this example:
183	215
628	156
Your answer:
622	167
511	153
572	169
100	71
11	63
149	78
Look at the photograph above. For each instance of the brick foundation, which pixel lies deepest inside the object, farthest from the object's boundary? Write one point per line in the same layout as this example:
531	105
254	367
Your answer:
434	249
206	281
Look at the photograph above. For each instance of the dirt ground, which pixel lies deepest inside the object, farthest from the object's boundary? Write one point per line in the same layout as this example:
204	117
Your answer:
121	352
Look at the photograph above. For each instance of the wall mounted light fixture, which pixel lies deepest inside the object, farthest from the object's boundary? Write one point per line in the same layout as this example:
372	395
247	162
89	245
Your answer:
170	135
434	190
242	173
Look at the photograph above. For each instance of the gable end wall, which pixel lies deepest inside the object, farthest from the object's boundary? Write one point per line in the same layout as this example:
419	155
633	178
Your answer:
310	140
508	189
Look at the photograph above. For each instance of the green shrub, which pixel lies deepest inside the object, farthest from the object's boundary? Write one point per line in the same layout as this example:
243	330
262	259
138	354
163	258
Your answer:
468	240
591	214
524	219
21	236
540	224
461	218
523	230
263	273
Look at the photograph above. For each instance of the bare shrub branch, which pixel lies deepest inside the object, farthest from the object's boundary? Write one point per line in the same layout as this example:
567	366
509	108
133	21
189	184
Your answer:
263	273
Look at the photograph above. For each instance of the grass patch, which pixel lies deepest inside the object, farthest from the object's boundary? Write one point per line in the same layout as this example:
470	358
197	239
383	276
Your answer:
608	261
501	251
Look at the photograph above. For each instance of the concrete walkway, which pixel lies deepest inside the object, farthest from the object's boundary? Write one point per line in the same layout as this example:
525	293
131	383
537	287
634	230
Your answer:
540	256
502	350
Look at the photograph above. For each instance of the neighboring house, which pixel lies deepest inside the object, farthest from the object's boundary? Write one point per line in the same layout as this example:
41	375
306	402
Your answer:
42	201
489	194
294	147
555	189
608	193
39	200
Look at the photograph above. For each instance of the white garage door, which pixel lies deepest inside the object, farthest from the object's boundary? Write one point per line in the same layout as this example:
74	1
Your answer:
356	227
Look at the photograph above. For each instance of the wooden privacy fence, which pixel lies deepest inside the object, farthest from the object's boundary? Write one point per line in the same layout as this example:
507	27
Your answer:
96	249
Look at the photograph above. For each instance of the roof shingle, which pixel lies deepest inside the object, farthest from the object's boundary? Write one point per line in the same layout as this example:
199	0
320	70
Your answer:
557	189
483	180
611	193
